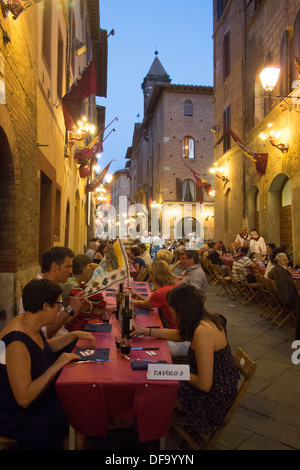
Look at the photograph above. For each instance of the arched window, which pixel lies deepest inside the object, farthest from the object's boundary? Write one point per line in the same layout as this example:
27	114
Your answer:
188	108
188	147
188	191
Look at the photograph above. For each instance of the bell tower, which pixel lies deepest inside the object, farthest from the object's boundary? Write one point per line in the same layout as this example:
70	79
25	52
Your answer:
156	74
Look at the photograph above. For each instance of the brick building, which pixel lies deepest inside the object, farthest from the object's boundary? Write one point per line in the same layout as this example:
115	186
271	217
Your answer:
44	203
248	36
173	139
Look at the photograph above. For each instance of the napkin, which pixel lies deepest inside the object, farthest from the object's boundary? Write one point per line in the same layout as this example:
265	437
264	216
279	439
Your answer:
142	311
99	328
141	290
93	354
141	365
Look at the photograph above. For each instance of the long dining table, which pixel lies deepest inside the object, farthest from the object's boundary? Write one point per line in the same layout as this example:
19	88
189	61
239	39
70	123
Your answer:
93	393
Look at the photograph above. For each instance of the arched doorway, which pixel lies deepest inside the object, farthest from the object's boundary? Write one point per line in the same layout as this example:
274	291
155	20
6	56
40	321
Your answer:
280	210
8	261
186	226
77	225
254	209
286	214
67	224
7	213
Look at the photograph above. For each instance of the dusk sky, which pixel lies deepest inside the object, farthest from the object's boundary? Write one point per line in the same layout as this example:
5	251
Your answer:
181	32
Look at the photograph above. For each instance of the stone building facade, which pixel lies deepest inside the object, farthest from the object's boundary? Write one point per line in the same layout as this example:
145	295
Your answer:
42	52
249	36
173	139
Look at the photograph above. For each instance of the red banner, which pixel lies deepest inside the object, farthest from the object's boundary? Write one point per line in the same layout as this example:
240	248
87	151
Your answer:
81	89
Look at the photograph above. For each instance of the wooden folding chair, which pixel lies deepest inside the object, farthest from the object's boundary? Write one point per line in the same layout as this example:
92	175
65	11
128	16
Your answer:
266	303
223	280
235	286
206	266
194	439
251	288
142	274
283	313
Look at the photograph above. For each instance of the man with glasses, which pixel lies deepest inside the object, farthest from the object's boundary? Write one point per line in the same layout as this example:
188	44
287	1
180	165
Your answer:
194	273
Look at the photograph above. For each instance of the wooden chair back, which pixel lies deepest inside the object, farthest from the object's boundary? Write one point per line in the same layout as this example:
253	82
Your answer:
197	441
142	274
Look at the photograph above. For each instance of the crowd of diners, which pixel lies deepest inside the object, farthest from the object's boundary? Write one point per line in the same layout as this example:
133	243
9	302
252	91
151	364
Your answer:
39	341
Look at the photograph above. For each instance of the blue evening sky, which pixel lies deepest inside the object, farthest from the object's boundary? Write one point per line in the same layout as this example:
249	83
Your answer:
180	30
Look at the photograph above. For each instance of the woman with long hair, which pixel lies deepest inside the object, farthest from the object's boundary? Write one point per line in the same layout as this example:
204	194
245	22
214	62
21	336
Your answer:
212	388
100	253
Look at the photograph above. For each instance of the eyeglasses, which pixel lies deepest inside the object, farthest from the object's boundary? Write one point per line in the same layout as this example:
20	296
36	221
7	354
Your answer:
60	303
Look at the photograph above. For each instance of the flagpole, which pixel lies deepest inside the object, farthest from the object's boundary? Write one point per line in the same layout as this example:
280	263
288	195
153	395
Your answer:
113	130
116	119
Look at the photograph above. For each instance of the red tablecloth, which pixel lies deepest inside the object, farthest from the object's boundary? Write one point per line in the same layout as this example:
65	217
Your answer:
227	261
91	393
133	272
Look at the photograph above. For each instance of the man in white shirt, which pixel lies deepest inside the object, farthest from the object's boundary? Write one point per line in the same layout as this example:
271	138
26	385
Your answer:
145	255
243	236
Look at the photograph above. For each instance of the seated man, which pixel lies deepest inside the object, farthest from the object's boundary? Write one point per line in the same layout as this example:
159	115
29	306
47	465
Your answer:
194	273
82	269
242	261
57	266
144	254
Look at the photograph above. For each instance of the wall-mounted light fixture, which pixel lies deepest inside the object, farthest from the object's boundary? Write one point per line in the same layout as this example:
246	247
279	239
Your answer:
269	78
83	127
78	46
271	135
218	172
15	7
208	214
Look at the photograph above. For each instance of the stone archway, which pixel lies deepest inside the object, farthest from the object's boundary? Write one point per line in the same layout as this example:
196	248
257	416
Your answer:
276	213
8	252
7	213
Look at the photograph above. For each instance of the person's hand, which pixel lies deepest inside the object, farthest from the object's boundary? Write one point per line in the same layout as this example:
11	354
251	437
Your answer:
66	358
86	335
139	330
80	302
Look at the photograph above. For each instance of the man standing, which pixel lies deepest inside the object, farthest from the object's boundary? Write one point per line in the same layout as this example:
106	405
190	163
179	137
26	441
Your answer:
194	273
243	236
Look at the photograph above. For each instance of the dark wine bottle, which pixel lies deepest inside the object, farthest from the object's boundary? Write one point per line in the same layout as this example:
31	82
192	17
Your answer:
120	298
126	318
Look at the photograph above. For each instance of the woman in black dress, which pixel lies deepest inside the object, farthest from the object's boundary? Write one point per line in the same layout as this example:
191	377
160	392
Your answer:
30	410
212	388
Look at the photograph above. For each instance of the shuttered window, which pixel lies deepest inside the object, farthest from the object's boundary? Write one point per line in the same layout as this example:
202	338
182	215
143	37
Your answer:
188	108
226	55
226	134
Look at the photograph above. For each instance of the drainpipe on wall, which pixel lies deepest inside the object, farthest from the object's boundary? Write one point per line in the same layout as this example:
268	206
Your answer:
244	107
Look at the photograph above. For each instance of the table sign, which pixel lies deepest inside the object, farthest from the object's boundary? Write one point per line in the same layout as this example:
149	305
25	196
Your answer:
168	372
